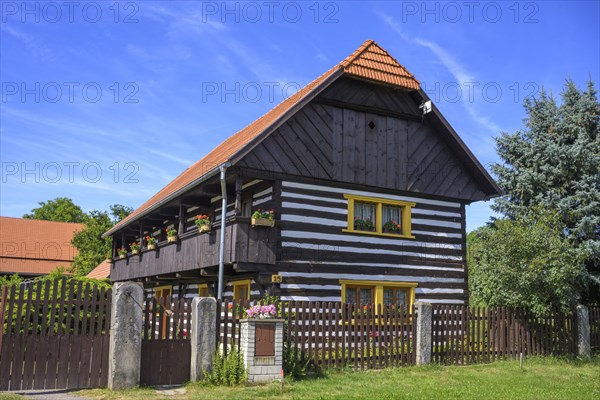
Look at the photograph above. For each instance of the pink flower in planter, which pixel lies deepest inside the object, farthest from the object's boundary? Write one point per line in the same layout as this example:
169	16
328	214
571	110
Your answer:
262	312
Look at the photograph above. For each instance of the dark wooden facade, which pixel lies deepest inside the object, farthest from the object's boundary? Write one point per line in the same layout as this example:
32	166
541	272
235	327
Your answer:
356	137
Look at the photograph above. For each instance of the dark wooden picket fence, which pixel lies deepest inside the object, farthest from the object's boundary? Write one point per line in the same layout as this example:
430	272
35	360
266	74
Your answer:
332	334
229	315
468	335
166	349
54	334
595	329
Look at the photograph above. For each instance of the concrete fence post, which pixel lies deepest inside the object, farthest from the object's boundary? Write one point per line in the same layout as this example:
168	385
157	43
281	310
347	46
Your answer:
424	327
584	348
261	346
125	349
203	336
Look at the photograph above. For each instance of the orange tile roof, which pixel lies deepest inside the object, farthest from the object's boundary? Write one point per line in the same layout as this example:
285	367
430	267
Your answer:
102	271
372	62
369	61
29	246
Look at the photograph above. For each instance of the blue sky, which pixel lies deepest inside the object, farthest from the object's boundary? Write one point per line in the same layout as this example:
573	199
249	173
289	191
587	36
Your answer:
106	102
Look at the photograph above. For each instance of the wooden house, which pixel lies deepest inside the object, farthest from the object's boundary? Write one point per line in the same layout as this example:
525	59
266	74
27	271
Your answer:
368	194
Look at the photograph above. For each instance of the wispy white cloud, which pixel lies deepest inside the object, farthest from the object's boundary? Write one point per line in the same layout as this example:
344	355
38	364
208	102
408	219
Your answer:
33	44
462	76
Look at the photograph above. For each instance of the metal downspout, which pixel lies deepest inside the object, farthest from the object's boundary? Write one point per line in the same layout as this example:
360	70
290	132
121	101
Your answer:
223	169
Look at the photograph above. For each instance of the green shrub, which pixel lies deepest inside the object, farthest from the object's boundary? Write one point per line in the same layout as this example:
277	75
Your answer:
227	370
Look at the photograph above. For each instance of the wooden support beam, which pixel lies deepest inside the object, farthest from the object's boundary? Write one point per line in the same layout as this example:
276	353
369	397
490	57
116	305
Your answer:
181	228
368	109
238	194
114	246
189	274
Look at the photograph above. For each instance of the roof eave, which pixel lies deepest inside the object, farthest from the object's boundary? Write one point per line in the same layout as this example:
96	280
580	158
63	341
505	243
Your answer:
162	202
235	157
487	178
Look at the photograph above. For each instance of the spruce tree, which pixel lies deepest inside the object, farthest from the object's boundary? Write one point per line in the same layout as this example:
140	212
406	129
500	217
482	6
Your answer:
554	163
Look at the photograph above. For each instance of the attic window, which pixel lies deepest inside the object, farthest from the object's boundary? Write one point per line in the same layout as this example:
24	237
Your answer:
371	125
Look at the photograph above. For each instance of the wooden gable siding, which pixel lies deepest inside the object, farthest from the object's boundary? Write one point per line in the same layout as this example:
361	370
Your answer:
330	139
314	253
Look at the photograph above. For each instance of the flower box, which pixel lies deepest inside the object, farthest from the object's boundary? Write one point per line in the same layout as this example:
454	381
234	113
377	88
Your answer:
204	228
263	222
172	239
122	256
151	246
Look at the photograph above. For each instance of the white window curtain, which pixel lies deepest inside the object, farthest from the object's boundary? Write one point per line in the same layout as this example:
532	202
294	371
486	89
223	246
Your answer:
390	213
364	211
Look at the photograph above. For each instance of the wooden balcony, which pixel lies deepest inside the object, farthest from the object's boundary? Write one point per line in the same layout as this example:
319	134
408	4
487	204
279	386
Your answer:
194	251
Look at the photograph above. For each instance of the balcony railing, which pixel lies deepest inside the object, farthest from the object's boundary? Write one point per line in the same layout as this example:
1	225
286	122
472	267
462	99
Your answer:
194	251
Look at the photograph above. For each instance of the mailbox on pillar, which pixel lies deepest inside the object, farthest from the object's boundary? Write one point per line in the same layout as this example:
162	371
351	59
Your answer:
264	340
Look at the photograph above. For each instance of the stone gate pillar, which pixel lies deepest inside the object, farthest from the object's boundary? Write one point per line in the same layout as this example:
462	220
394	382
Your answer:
424	327
125	348
203	336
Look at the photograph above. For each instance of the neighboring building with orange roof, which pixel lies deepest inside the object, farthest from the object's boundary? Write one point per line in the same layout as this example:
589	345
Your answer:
31	247
102	271
367	183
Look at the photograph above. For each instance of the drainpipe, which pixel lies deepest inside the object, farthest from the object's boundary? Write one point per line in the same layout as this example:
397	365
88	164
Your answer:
223	168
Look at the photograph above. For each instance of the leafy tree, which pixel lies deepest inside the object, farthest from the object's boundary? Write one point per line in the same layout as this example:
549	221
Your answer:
10	280
120	212
92	249
554	163
91	246
61	209
527	262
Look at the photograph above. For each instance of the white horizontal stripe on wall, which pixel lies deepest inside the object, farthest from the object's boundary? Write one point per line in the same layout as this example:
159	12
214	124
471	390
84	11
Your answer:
441	301
296	196
313	220
442	290
351	249
372	194
416	210
309	287
258	202
362	277
365	239
438	234
312	298
218	214
252	183
264	192
385	265
252	293
432	222
288	204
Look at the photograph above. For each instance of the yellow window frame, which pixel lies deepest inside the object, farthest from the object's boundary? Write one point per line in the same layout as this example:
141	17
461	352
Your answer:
160	289
242	283
378	287
405	206
203	287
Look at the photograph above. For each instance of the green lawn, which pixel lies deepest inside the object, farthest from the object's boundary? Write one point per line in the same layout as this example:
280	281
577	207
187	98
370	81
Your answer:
538	379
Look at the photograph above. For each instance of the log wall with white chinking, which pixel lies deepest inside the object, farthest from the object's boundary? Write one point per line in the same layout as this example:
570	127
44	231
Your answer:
315	254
